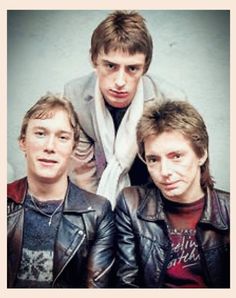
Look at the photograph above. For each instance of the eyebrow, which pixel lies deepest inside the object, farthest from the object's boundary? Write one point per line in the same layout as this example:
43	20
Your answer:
110	62
173	152
151	155
107	61
45	128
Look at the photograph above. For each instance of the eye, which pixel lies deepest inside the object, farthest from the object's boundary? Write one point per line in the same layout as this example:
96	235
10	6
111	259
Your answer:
64	138
150	160
133	69
40	134
110	66
176	156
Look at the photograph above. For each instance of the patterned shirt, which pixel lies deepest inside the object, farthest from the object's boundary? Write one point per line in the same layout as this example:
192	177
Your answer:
36	265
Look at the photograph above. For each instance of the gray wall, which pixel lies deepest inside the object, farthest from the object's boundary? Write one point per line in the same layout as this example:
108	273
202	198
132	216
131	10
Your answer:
191	49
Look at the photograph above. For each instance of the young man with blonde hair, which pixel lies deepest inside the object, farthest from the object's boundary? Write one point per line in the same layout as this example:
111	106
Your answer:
174	232
110	102
58	234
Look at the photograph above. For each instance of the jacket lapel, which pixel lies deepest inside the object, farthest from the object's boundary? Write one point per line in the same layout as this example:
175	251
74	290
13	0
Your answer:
15	224
71	231
151	208
69	239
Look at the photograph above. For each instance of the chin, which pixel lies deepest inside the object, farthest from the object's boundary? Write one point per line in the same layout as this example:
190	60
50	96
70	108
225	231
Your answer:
48	179
172	194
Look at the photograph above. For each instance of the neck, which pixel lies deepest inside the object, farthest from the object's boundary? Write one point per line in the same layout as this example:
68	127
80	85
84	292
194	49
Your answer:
44	191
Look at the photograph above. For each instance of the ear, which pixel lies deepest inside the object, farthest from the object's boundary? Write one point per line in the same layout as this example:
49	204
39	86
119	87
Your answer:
93	63
22	144
203	158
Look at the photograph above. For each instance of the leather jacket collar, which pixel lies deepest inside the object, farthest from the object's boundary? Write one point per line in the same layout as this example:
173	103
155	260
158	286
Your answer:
18	189
151	208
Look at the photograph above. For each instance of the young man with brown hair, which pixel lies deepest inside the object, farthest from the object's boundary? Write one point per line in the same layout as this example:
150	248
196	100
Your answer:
58	234
110	102
174	232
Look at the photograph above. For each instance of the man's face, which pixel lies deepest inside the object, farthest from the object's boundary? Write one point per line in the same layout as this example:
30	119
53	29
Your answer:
174	166
48	144
118	74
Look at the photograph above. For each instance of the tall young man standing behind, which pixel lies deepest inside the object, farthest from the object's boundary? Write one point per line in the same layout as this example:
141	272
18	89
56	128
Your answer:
110	102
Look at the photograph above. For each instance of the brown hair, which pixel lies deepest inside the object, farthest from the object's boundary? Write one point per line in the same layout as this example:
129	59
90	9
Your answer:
45	108
180	116
122	30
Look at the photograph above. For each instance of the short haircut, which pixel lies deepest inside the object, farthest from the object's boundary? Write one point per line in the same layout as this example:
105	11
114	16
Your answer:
178	116
125	31
46	107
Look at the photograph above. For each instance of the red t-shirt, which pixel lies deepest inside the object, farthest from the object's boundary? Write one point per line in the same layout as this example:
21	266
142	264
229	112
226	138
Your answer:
184	268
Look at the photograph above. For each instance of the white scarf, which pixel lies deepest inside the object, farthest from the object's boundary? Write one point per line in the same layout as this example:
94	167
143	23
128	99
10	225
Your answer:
120	151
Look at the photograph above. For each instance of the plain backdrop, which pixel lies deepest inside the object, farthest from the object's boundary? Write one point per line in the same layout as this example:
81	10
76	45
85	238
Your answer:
47	48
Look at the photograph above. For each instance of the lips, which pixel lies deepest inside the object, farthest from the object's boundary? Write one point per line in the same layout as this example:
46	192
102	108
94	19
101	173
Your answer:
118	94
47	161
170	185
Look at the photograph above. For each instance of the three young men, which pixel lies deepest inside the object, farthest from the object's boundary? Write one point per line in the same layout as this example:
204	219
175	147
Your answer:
110	102
174	232
58	234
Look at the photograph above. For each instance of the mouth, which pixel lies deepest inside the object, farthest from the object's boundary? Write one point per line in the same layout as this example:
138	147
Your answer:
170	185
47	161
118	94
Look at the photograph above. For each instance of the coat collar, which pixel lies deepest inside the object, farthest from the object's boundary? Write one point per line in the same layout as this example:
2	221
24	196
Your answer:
152	209
212	213
76	200
17	190
149	88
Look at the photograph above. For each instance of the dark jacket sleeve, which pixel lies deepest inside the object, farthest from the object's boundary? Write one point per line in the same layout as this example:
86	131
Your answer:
102	254
127	267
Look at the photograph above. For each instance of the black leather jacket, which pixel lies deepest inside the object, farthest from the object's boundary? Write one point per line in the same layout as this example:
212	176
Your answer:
144	246
84	251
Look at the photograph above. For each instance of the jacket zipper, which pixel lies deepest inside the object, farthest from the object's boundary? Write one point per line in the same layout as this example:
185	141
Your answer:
104	271
53	284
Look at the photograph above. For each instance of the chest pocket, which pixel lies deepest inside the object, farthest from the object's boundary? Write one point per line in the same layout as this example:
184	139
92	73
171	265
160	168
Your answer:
152	259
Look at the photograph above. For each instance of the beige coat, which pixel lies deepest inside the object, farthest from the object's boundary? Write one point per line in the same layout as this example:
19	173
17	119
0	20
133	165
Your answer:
88	161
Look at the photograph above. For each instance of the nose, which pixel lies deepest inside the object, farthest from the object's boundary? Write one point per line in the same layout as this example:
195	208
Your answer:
120	78
165	168
49	144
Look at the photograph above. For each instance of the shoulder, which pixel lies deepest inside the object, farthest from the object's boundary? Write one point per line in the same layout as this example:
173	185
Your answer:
80	92
16	190
223	197
84	200
164	88
222	194
132	197
222	200
79	84
96	201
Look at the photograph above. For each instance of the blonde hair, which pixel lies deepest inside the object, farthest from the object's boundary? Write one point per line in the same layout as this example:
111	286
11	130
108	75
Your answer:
46	107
